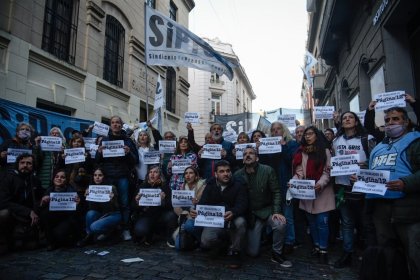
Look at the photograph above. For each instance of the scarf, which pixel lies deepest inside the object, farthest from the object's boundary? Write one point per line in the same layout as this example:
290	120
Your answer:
313	170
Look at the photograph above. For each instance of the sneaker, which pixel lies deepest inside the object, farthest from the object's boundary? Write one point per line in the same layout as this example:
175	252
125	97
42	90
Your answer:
170	243
315	252
234	260
280	259
343	261
126	235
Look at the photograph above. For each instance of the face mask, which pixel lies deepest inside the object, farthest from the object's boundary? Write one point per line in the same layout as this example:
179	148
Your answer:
24	134
394	130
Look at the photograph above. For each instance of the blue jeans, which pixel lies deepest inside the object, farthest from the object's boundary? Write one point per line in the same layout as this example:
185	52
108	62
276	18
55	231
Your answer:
97	223
290	225
351	214
146	225
193	230
122	185
318	223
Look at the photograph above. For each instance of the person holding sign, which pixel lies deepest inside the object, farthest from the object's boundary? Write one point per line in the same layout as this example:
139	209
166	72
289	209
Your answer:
207	164
21	143
191	139
396	215
183	157
311	162
143	145
61	227
282	164
51	160
264	206
352	139
102	218
152	218
20	194
118	169
224	190
243	138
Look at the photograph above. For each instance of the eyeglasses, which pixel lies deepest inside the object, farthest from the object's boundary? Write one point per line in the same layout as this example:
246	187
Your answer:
308	134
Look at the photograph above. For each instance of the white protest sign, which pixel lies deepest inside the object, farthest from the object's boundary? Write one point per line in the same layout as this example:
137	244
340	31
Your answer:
113	148
302	189
89	141
371	181
361	116
12	154
182	198
150	197
179	165
390	99
51	144
210	216
323	112
270	145
212	151
240	148
99	193
151	157
100	128
288	120
159	96
93	149
345	165
191	117
74	155
167	146
63	201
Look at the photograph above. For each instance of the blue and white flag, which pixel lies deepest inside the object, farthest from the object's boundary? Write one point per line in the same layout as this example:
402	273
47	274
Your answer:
170	44
310	61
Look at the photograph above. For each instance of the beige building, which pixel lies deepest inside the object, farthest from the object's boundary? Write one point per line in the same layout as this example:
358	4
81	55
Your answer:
212	95
85	58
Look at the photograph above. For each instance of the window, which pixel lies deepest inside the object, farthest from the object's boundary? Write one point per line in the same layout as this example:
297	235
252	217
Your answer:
114	51
49	106
60	28
170	89
151	3
172	10
377	85
215	104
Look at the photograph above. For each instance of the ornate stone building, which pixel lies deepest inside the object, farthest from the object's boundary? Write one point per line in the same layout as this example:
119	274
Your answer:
85	58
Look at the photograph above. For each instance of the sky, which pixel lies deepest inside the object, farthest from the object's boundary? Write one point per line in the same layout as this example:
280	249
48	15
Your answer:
268	36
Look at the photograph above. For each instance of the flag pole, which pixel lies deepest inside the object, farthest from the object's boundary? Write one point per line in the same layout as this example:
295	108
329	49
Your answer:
145	64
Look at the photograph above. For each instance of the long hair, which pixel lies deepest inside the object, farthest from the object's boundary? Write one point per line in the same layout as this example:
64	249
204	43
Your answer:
178	144
104	181
287	136
257	131
195	170
320	145
161	175
59	132
360	130
138	138
74	138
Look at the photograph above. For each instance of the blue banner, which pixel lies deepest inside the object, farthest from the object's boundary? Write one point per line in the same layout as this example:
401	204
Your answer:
11	114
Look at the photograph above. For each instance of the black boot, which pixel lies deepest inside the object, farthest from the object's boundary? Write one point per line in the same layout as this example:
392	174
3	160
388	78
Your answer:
344	260
88	239
323	257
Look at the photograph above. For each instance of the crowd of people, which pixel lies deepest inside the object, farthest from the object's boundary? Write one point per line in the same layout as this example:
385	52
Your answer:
254	190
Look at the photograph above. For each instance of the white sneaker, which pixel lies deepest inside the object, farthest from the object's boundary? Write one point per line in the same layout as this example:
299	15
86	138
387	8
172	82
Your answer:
126	235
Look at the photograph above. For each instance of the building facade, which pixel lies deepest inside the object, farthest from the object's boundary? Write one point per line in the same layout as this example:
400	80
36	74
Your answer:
363	48
212	95
85	58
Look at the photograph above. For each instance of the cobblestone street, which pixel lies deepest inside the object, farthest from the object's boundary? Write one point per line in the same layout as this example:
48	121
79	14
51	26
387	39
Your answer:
160	262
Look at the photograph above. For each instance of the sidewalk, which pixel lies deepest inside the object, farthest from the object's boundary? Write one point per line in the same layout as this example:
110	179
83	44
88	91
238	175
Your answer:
162	262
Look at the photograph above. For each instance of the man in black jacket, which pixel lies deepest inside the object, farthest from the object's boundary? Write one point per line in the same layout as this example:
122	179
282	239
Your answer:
20	194
223	190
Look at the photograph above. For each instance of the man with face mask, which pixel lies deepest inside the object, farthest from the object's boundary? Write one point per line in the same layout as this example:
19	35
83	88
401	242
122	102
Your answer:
20	195
397	214
23	141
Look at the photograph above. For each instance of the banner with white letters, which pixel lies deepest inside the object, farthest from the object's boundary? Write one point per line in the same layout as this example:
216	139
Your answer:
168	43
